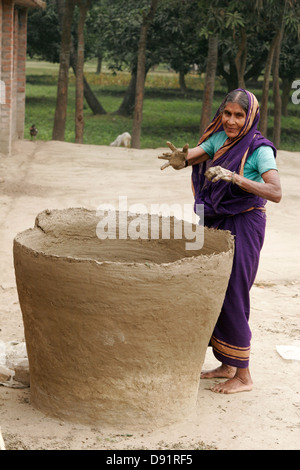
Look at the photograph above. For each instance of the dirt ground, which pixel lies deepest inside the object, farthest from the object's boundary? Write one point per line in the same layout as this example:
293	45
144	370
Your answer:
53	175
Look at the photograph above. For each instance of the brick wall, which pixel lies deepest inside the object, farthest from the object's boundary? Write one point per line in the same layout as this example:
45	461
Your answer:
7	75
1	83
13	39
21	72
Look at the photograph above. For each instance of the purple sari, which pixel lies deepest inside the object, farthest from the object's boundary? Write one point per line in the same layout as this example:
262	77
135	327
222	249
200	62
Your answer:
228	207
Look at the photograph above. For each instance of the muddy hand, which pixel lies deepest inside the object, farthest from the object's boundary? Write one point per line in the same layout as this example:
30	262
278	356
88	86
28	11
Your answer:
216	173
176	158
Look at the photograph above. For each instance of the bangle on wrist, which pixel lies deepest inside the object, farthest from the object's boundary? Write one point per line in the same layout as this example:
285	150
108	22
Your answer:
233	178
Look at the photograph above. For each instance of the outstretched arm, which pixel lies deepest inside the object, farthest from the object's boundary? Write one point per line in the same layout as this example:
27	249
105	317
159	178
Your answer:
270	189
179	159
196	155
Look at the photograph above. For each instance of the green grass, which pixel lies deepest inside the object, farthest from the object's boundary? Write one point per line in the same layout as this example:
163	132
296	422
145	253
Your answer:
167	113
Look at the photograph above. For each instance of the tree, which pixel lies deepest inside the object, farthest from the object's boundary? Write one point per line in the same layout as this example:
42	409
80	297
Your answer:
266	85
235	31
79	119
213	24
140	78
276	88
277	17
44	41
280	12
289	67
90	97
172	38
43	33
125	28
126	108
95	24
60	117
68	57
180	35
209	86
175	38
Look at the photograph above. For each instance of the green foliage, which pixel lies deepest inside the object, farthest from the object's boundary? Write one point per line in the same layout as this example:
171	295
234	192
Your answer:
178	35
43	33
168	114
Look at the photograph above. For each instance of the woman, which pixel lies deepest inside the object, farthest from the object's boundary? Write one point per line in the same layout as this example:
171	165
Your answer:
234	174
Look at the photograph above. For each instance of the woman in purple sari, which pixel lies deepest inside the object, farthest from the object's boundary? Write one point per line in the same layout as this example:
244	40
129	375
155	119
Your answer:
234	174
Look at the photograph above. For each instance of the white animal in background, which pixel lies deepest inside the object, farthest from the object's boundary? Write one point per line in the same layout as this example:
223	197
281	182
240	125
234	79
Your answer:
123	140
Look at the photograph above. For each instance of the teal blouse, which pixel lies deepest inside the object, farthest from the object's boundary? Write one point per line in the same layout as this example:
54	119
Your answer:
261	160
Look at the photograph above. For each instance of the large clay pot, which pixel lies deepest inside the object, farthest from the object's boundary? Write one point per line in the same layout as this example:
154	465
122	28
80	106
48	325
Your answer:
117	329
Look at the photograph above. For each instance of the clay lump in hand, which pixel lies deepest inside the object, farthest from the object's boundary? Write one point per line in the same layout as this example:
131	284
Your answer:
176	158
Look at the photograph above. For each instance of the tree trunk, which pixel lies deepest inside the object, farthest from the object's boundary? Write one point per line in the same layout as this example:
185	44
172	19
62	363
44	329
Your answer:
139	91
182	83
140	80
60	117
276	94
230	77
241	59
90	97
273	56
263	126
79	118
127	106
276	85
99	63
210	75
256	68
286	88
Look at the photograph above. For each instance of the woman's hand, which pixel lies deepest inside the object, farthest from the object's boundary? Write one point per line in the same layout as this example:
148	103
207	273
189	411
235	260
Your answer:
176	158
270	189
216	173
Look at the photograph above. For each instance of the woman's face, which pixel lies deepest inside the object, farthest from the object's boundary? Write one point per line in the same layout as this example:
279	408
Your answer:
233	119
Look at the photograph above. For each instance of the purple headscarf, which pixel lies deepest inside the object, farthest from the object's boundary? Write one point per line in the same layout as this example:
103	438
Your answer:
222	198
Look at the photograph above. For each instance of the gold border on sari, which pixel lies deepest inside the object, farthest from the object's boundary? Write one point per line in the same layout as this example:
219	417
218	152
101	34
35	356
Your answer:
229	350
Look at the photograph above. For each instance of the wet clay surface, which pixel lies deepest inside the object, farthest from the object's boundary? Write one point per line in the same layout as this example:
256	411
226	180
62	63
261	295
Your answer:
116	330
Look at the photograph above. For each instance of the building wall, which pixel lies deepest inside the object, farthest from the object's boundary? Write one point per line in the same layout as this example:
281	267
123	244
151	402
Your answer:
7	75
13	39
1	91
21	72
14	75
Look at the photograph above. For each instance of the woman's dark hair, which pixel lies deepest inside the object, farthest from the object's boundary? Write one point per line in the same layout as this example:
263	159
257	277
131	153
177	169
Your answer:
237	96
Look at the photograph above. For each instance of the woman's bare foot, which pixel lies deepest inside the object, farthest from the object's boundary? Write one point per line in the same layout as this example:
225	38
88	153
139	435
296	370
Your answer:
241	382
222	372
